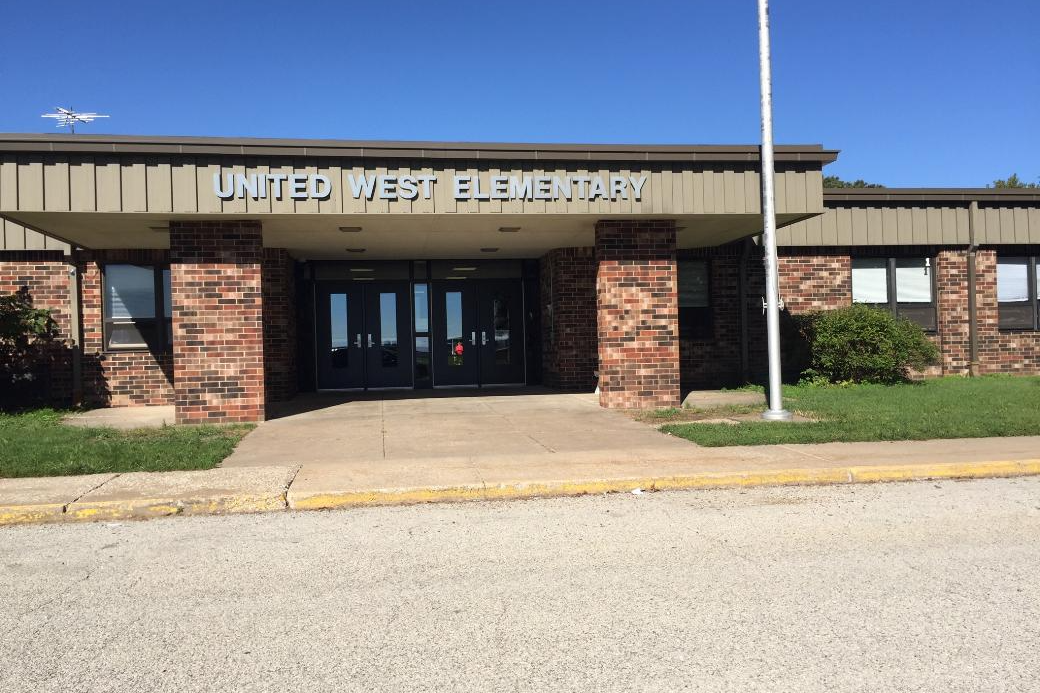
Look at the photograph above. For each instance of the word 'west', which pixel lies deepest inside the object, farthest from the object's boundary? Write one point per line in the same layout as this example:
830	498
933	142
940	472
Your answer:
301	186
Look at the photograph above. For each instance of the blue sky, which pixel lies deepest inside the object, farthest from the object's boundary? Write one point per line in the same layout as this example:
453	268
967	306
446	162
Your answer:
921	92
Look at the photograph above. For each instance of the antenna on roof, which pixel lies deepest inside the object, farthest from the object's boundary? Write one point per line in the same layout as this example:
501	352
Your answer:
66	117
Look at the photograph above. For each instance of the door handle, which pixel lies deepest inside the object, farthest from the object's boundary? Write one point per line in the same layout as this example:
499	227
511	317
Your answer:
357	341
473	338
483	339
370	339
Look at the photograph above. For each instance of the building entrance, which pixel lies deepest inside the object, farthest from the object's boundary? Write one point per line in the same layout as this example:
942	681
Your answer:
365	337
478	332
450	326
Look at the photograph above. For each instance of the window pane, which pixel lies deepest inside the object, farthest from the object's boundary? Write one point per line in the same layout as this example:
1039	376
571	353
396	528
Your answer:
1012	279
501	320
1015	316
130	335
422	358
693	284
422	308
388	329
695	323
130	292
923	315
913	280
869	280
453	326
339	337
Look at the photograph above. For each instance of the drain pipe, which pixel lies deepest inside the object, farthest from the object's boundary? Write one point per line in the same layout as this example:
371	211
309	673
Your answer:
742	302
973	327
75	331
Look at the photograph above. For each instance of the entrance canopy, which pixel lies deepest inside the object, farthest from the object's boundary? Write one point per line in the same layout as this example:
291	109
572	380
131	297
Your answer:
329	199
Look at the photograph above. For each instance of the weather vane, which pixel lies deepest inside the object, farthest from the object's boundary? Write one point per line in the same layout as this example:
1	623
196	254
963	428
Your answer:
68	118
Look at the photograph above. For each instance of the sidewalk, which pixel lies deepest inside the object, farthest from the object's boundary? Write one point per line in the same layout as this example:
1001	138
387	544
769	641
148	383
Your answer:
424	479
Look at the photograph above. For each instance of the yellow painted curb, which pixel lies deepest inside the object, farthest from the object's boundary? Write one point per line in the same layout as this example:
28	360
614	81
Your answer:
704	480
130	509
139	509
31	514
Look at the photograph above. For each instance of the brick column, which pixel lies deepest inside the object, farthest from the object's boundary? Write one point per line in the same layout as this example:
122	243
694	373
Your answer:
637	314
279	296
568	292
954	331
218	349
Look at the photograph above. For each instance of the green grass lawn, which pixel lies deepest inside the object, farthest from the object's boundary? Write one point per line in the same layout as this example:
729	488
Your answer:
36	443
938	408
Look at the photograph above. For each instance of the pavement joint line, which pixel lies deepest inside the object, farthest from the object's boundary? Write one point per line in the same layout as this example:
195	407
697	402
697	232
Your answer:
803	452
285	491
65	508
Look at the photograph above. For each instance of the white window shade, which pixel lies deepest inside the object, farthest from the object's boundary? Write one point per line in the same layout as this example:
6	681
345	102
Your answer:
913	280
1012	279
130	292
869	280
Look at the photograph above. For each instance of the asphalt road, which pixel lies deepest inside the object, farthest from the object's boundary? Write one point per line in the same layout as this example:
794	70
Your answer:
898	587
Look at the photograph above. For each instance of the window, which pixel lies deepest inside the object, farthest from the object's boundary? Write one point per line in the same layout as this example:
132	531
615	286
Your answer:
904	285
1017	288
694	300
137	307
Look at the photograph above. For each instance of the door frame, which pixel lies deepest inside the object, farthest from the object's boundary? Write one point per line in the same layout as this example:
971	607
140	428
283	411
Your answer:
519	282
363	290
479	384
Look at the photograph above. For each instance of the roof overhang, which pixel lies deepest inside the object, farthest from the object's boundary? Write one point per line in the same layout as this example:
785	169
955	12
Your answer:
121	191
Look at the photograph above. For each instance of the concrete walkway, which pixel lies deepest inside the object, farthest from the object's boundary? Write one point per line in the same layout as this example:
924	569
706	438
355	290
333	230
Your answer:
326	451
379	429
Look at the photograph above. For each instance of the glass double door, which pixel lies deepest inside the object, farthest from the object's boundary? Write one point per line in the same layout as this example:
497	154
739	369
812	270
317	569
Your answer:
363	335
477	332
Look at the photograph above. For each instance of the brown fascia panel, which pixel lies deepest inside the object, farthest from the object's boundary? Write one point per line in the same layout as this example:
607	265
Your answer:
895	196
117	144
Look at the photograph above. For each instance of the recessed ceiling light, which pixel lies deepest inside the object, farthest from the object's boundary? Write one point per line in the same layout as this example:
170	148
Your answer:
508	229
361	269
456	277
489	250
463	269
355	250
363	279
350	229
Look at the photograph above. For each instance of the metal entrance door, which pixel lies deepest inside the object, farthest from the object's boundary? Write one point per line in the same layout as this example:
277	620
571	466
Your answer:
388	335
363	335
478	332
340	326
500	321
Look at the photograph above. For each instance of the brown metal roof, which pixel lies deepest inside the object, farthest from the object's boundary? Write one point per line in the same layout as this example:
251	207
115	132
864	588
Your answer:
908	195
251	146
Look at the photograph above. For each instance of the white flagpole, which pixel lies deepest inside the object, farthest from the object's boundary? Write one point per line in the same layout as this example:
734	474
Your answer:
776	411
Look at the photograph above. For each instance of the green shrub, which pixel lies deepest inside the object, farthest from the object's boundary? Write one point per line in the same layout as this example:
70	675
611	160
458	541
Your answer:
28	341
863	344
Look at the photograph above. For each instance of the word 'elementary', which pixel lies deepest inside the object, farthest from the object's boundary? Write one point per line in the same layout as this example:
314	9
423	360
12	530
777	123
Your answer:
301	186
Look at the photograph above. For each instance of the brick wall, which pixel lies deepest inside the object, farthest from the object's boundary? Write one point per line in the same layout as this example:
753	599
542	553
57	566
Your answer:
279	310
1001	351
568	292
118	378
637	314
715	359
44	275
217	320
814	281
